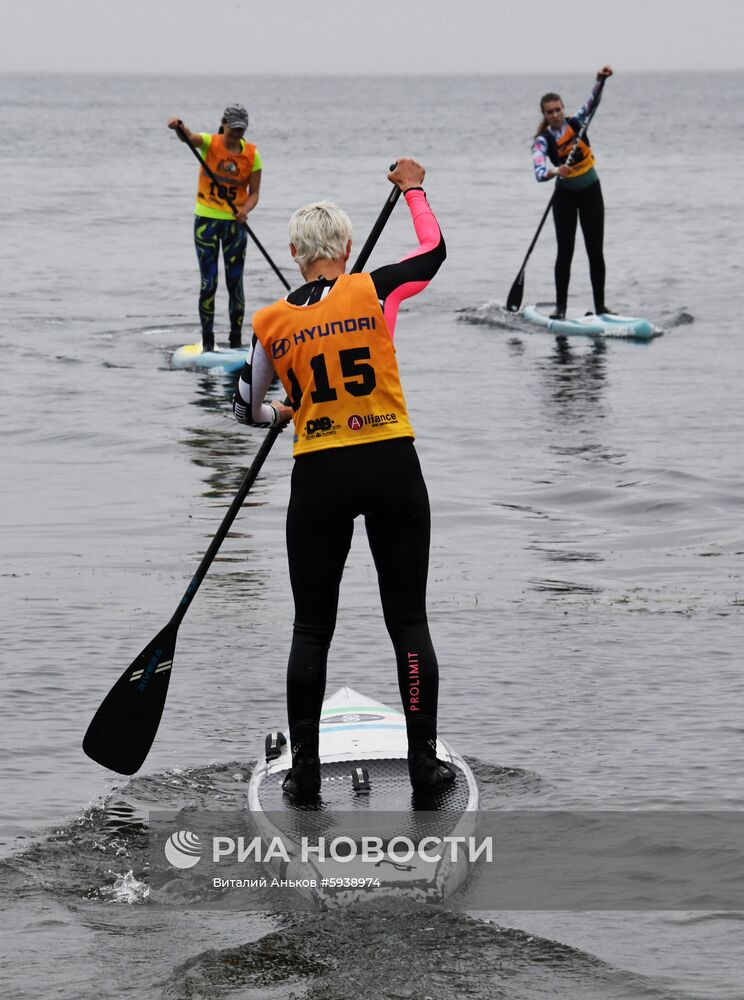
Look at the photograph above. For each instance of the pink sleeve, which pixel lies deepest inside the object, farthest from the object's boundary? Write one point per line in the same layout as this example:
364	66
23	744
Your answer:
430	243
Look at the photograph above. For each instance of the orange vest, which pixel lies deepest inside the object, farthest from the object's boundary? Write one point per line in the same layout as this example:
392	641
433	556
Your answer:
584	158
232	170
336	361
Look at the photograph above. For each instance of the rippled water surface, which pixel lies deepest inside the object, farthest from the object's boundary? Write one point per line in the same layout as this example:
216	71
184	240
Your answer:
586	575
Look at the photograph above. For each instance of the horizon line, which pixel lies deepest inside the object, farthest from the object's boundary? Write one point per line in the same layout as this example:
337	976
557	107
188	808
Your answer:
295	73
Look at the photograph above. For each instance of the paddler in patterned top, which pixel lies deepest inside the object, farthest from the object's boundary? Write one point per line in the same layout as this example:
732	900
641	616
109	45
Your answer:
578	194
237	166
331	343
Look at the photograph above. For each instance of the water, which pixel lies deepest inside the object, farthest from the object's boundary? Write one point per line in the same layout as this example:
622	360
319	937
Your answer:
586	577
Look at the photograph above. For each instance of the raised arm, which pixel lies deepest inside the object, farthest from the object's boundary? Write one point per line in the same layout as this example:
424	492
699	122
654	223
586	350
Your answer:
193	138
396	282
593	101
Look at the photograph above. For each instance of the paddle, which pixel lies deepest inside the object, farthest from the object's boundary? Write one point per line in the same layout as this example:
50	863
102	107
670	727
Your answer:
514	299
224	195
124	727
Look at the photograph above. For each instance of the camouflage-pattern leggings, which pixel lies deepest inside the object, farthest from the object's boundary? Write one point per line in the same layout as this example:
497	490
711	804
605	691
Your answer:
208	234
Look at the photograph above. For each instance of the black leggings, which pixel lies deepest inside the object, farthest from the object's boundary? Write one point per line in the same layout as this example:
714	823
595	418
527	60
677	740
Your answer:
588	205
382	481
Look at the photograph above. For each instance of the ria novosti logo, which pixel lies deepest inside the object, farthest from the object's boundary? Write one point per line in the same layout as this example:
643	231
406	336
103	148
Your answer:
183	849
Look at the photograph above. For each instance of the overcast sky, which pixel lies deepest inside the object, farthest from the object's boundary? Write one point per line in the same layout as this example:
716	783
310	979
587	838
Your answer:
369	36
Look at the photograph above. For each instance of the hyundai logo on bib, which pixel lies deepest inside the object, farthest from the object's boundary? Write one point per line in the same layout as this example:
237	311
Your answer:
280	347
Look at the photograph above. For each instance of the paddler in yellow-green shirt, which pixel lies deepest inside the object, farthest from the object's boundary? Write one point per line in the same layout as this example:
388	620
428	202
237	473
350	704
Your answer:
237	165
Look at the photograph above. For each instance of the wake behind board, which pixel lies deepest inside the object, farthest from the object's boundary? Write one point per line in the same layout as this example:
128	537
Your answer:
603	325
192	356
365	792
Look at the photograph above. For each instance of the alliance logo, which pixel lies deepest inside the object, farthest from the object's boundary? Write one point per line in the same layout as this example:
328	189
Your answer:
356	422
183	849
280	347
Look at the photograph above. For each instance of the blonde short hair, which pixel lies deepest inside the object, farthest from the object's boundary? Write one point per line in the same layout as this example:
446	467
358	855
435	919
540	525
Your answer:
320	231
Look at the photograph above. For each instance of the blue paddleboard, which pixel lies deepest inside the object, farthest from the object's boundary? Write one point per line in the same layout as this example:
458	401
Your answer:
192	356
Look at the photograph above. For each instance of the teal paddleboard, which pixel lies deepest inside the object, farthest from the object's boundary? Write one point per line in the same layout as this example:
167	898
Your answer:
192	356
591	325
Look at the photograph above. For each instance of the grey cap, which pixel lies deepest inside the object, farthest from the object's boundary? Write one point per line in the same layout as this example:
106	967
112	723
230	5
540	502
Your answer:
235	116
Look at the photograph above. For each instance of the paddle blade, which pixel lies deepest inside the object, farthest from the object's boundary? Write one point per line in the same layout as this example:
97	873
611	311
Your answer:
514	300
124	727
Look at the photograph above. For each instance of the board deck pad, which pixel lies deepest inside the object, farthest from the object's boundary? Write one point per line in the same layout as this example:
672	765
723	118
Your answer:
192	356
591	325
390	790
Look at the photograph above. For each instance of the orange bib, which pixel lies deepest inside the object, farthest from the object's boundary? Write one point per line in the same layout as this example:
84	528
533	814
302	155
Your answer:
336	361
232	170
584	157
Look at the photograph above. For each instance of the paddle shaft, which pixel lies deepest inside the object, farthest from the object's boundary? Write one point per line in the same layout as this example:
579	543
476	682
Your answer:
387	211
271	436
514	299
223	194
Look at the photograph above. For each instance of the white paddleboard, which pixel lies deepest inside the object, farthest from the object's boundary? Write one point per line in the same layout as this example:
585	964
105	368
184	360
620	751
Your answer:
365	791
591	325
